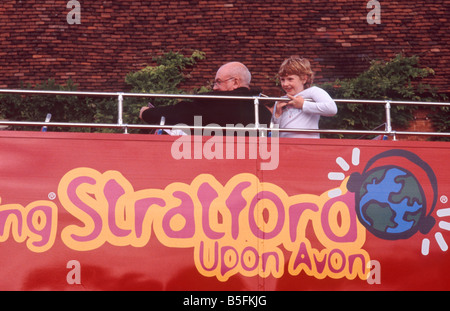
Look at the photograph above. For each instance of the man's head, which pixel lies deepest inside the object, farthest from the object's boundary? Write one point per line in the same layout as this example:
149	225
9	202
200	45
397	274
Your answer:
232	76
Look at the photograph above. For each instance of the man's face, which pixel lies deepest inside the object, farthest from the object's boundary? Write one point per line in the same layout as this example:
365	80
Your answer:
224	81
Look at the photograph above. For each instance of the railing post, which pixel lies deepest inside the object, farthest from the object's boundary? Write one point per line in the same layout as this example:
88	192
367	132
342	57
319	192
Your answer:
120	111
256	102
388	117
388	120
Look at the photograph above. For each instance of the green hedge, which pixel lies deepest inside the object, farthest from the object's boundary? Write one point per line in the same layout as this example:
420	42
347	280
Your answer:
396	79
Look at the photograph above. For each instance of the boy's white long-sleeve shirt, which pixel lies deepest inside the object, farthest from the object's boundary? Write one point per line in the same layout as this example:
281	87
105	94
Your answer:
319	104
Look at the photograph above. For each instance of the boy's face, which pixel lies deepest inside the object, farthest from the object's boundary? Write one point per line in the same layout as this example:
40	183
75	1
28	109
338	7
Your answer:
293	84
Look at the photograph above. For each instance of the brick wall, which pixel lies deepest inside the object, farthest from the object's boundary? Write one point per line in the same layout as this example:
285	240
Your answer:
116	37
420	123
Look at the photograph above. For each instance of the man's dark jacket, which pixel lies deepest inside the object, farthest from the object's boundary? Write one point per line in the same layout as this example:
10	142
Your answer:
212	110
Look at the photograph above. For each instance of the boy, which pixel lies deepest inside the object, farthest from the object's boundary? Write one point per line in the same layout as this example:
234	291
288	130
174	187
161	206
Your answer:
296	79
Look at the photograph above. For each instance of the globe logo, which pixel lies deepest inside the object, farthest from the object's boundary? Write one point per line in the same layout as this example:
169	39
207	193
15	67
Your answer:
390	201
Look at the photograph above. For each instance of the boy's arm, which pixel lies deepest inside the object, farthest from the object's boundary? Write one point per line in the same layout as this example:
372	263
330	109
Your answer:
321	103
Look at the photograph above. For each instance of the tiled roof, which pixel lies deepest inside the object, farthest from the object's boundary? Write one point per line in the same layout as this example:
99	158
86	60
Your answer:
117	37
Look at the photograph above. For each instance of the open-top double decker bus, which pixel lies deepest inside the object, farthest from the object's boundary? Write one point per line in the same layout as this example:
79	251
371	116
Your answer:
124	211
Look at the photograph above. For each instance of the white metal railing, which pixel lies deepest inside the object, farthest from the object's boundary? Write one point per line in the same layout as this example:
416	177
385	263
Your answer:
256	100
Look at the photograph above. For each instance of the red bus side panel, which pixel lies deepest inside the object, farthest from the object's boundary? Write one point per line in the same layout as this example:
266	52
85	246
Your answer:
146	212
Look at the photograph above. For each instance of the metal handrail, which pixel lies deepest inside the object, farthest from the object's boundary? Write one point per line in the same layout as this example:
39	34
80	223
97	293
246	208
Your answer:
256	99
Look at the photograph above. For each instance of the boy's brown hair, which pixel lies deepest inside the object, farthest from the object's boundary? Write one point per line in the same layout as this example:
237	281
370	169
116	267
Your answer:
296	65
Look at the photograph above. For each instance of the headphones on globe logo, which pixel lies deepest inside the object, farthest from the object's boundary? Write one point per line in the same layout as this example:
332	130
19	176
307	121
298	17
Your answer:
389	199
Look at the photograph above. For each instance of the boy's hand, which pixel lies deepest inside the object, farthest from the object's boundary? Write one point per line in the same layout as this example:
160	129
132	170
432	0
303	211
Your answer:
279	110
295	102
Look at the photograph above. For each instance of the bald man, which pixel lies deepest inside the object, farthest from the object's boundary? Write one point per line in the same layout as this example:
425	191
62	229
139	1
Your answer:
232	79
232	76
